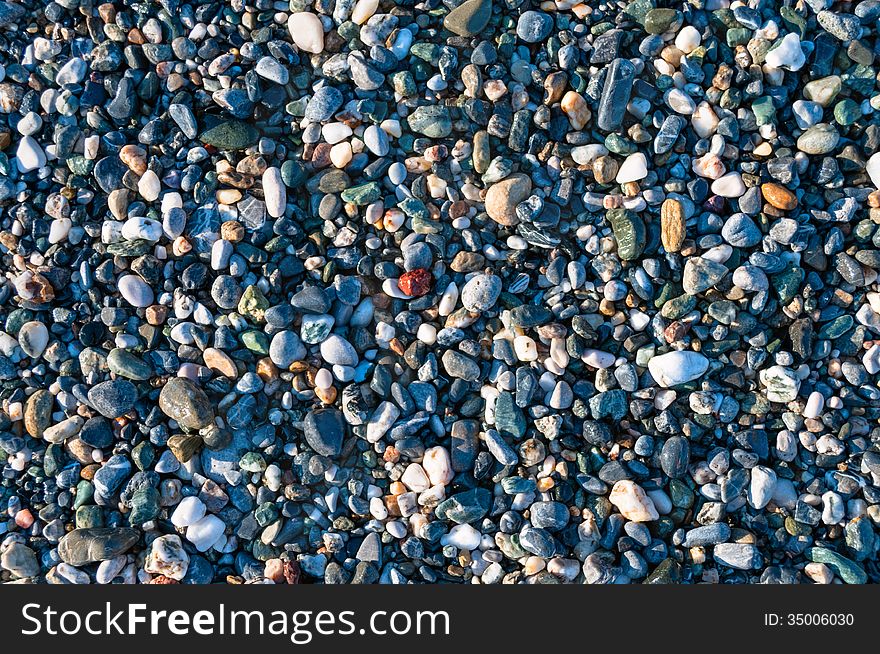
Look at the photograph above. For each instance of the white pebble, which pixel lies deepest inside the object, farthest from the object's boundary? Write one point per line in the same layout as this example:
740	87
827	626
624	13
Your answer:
307	31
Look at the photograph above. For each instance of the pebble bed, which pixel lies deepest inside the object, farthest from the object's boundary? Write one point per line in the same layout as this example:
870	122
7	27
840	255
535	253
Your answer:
493	291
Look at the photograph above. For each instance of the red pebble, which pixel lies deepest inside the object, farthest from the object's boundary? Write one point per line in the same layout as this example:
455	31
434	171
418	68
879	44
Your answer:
162	580
415	283
24	519
292	572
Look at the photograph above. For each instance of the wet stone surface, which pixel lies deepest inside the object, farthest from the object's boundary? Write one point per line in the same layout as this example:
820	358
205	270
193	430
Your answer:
359	291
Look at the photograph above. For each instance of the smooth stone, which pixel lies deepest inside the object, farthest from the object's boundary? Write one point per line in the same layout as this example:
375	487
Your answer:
740	556
432	121
204	533
679	367
307	31
633	168
762	486
469	18
632	501
127	364
481	292
274	192
338	352
286	348
616	93
502	198
741	231
675	456
113	398
231	135
29	155
701	274
325	102
325	431
135	291
182	400
33	337
82	546
818	139
534	26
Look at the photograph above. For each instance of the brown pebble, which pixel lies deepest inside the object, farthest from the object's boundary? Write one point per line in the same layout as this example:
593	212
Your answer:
779	196
220	362
605	169
554	87
156	314
458	209
326	395
253	165
266	370
135	157
672	225
232	231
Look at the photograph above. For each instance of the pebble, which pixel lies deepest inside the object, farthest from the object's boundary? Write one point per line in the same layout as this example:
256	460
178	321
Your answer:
481	292
33	337
324	431
679	367
274	192
503	197
787	53
186	403
307	31
739	556
167	557
469	18
632	502
89	545
204	533
534	26
633	169
135	291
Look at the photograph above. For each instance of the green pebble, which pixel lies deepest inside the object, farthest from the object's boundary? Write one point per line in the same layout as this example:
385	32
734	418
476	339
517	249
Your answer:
679	306
788	283
144	506
143	455
414	208
658	21
738	36
680	494
619	145
764	111
846	112
849	571
837	327
403	83
363	194
231	135
124	363
629	232
253	304
432	121
89	516
255	341
293	173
